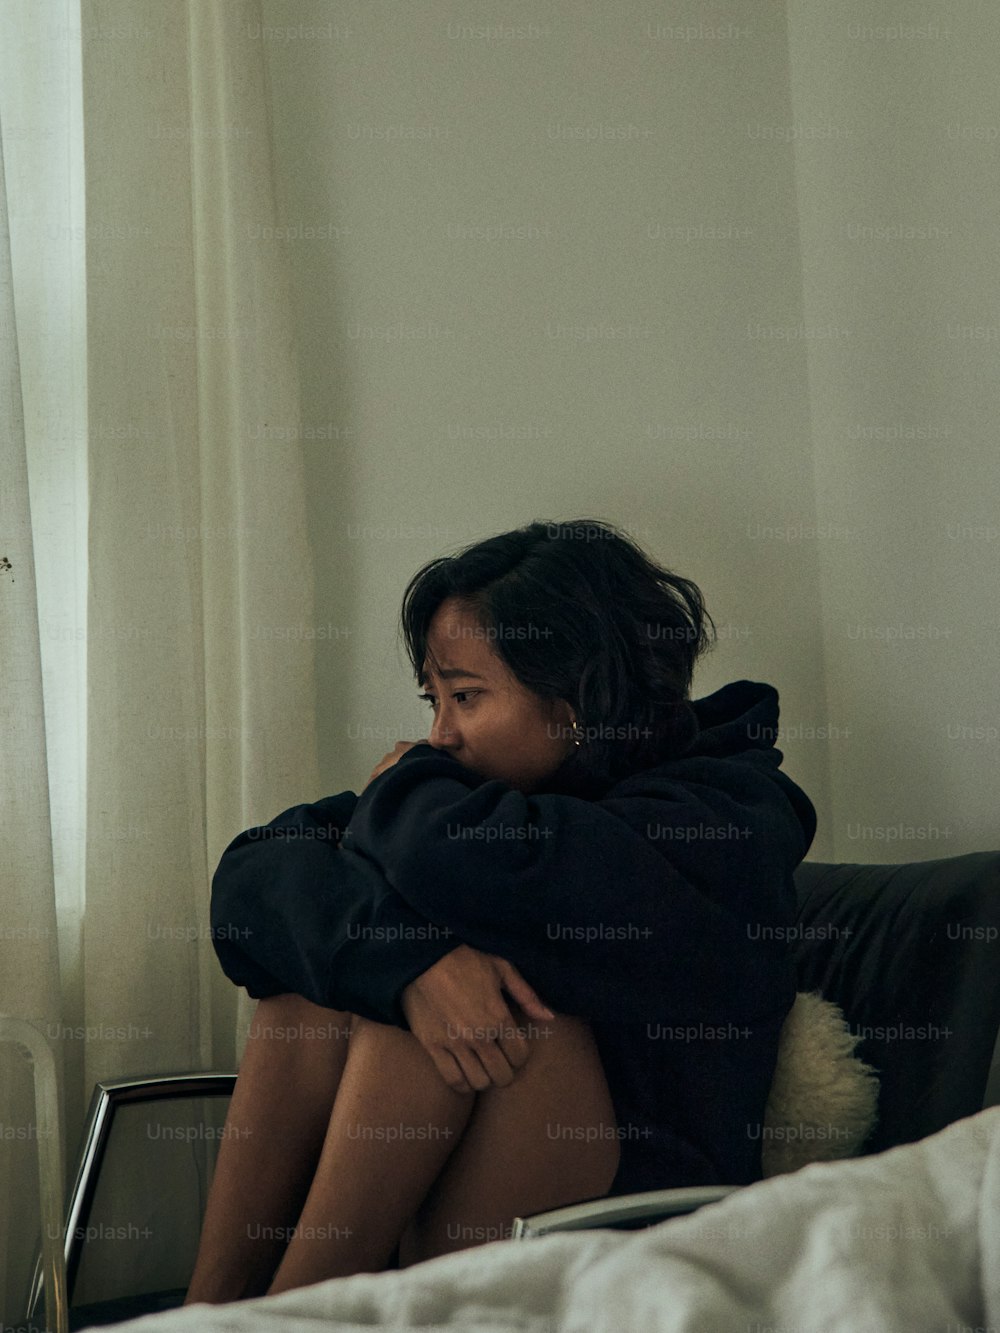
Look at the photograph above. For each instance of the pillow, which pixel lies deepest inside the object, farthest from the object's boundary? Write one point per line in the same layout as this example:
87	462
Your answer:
823	1099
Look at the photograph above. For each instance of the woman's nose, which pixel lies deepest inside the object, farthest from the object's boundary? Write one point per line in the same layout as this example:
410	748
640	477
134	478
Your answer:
442	732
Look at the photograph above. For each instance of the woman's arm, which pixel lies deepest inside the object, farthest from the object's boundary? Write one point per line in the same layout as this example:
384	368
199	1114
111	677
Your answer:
293	910
657	903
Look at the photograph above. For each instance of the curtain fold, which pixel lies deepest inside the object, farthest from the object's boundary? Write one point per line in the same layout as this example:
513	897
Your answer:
199	713
259	685
29	957
200	722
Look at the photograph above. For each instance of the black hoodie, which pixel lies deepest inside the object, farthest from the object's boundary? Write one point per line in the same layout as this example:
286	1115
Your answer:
657	909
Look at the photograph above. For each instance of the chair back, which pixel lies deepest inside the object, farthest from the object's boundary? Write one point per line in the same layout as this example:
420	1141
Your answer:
911	953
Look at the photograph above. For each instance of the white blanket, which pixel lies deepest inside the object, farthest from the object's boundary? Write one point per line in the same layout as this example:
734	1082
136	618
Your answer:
908	1240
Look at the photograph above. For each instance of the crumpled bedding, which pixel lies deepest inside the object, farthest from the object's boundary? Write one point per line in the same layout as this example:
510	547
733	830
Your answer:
907	1240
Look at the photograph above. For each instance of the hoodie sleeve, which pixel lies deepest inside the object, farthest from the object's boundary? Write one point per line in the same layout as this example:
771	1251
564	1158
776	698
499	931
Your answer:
659	901
292	909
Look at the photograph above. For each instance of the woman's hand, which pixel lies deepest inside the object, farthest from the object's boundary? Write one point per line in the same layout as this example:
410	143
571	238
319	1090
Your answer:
457	1012
391	758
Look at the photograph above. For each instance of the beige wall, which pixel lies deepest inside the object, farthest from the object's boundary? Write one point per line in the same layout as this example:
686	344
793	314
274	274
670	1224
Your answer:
696	387
904	412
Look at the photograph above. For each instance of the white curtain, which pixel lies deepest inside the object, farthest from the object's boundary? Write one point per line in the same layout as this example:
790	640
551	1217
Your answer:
29	971
42	587
168	591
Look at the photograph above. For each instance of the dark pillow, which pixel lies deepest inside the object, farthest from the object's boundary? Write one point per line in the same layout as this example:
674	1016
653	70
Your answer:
911	953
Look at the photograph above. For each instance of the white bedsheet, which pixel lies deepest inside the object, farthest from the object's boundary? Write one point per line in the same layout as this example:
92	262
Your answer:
908	1240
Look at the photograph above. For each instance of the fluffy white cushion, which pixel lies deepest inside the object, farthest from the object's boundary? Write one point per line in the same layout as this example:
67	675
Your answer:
823	1100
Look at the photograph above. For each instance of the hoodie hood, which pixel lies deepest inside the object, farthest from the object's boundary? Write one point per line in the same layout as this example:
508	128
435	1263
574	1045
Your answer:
742	715
738	717
738	724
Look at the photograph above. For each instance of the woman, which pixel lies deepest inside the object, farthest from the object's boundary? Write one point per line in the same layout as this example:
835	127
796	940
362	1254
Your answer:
575	832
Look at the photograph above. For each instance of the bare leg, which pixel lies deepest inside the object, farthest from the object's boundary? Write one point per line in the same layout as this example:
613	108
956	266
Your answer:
279	1112
394	1124
549	1139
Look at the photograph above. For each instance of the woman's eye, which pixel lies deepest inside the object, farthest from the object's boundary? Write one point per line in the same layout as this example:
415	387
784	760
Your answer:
459	694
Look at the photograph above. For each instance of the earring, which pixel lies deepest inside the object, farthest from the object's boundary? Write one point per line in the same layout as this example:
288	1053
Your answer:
576	740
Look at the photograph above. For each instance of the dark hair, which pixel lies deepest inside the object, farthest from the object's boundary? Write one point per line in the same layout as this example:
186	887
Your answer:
579	612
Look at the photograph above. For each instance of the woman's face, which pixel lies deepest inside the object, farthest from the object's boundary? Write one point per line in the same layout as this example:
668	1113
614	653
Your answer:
483	716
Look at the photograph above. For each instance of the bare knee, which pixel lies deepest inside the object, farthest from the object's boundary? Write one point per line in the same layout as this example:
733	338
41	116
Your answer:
564	1044
290	1007
289	1028
386	1036
548	1139
565	1079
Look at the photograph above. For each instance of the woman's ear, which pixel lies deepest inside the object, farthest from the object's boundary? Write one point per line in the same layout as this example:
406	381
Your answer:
564	716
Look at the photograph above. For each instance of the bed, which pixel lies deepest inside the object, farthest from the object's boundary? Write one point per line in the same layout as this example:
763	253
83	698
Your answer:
907	1240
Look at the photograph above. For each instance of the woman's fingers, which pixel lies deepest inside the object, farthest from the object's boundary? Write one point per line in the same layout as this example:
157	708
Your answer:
502	1047
482	1058
473	1070
460	1010
388	760
513	1042
450	1070
497	1067
516	985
